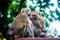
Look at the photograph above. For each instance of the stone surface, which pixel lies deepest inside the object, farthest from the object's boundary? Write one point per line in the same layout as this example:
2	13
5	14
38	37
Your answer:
37	38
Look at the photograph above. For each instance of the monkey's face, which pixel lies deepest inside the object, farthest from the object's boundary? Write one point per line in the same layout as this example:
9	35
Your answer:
26	11
29	15
34	15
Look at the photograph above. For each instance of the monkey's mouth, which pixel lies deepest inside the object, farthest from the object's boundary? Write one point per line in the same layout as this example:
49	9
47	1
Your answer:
34	18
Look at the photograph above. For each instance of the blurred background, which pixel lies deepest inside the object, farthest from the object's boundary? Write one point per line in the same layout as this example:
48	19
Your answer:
50	9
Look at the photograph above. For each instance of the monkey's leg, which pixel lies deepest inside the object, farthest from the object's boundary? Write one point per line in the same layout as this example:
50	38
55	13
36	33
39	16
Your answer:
31	33
10	34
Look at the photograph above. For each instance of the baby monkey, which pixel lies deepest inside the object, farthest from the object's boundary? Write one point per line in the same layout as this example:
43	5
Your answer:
22	25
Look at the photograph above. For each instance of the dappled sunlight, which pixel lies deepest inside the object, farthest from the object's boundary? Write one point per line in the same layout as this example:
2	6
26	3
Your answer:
54	28
50	9
51	15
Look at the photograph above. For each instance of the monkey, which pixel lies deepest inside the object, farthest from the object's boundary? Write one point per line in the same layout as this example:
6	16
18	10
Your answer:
22	25
39	23
38	30
38	20
38	33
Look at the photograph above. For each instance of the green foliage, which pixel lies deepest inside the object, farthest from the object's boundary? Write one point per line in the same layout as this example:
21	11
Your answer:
24	4
44	1
47	25
7	13
11	8
32	8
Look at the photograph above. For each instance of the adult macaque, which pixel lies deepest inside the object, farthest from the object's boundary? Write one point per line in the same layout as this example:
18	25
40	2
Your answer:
39	22
22	25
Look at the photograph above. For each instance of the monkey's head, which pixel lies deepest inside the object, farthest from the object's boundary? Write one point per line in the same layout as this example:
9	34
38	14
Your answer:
35	15
26	11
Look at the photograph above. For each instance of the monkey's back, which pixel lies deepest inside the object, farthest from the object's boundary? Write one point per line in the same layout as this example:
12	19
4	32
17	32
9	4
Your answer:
19	24
20	21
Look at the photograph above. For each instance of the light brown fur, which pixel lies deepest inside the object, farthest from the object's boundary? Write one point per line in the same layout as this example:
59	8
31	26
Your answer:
22	23
39	22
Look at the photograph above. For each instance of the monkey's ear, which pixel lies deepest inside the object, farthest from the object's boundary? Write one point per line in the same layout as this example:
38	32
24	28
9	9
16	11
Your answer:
22	11
37	12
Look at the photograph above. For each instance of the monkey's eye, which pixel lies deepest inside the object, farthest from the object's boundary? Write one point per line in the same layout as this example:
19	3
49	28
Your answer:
33	15
29	15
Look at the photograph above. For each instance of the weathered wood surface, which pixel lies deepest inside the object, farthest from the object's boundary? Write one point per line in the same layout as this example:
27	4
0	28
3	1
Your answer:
37	39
